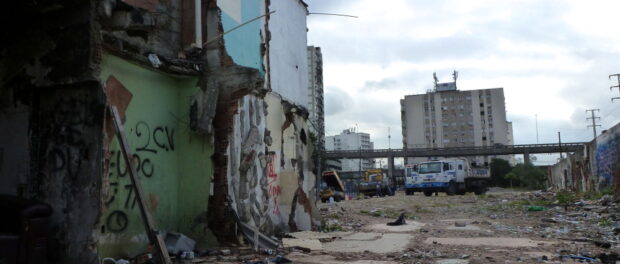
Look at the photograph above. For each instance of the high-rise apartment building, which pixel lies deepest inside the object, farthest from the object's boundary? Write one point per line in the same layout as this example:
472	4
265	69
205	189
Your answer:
315	94
351	140
447	117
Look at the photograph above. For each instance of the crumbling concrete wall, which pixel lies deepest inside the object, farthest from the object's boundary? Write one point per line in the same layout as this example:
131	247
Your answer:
270	180
173	162
593	169
607	158
267	156
49	96
287	50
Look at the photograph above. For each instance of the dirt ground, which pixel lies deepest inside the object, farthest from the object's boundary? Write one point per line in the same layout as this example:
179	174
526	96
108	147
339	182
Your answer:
501	226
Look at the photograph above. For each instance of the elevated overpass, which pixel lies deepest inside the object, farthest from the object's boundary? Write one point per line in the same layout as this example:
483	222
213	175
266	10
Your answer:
390	154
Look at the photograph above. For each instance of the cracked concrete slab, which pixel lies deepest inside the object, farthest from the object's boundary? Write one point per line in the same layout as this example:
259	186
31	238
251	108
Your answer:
326	259
410	226
486	241
372	242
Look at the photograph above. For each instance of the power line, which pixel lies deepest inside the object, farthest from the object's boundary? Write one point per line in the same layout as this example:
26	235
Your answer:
594	125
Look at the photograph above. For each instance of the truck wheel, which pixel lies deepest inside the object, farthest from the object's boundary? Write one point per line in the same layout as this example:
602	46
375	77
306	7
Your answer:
451	188
428	193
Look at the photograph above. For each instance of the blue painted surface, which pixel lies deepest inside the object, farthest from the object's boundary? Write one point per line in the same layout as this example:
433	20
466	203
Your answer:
243	44
428	185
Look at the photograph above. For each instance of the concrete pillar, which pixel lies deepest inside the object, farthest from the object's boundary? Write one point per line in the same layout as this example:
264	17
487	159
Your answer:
391	169
526	158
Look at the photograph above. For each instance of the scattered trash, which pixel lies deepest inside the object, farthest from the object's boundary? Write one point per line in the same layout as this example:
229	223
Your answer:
154	60
536	208
460	224
177	242
610	258
399	221
588	259
602	244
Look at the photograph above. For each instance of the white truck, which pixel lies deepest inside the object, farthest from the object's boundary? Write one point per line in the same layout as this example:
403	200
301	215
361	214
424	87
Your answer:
452	176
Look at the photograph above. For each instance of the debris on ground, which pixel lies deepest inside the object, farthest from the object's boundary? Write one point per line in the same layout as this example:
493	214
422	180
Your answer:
399	221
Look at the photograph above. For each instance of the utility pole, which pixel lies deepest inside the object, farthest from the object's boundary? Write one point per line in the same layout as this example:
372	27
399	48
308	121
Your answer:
615	86
560	143
389	139
359	144
536	116
594	125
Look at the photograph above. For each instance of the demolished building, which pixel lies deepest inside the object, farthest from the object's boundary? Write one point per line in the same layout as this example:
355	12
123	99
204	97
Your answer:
595	168
213	99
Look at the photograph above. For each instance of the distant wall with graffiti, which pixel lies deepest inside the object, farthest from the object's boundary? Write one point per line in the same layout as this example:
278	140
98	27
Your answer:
172	162
596	167
607	156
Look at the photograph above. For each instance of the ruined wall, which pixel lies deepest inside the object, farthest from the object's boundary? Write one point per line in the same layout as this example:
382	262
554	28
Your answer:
593	169
14	146
607	156
243	44
270	178
173	163
287	51
269	169
67	128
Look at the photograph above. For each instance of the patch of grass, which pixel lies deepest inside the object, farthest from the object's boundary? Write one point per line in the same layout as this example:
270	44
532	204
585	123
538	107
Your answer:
486	196
605	222
442	205
566	198
332	228
521	203
594	195
421	210
518	205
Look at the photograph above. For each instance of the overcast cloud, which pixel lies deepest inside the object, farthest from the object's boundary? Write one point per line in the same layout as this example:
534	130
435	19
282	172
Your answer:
551	57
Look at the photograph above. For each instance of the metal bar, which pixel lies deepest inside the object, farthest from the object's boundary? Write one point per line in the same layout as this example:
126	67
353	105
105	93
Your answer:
149	224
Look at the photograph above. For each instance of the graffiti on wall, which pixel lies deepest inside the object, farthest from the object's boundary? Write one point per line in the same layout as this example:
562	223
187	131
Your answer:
274	187
148	141
68	148
607	157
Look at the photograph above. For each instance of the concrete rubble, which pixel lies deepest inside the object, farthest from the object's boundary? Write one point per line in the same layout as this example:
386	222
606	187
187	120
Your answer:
493	228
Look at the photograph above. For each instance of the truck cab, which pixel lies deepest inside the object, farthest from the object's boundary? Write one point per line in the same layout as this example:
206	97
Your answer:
452	176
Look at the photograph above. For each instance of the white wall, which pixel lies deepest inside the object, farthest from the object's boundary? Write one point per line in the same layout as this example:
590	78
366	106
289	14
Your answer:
287	51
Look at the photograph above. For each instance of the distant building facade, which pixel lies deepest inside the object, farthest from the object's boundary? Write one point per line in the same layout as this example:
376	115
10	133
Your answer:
447	117
351	140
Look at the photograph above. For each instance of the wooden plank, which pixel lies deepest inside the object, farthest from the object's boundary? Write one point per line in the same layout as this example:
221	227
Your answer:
154	237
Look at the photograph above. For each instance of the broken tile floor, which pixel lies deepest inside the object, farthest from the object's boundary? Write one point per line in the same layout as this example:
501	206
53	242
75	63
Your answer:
493	228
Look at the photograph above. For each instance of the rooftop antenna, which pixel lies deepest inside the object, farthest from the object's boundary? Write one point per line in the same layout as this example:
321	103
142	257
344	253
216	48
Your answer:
455	75
435	77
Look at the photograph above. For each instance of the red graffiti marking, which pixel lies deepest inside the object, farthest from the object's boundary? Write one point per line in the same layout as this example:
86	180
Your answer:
274	189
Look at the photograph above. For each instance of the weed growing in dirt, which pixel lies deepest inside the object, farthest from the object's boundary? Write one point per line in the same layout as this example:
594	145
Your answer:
594	195
605	222
566	198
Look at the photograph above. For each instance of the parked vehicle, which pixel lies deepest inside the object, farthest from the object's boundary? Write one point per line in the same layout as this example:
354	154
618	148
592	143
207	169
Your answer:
452	176
375	183
331	187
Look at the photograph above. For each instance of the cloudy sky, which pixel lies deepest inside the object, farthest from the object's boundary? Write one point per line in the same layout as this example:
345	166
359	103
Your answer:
552	58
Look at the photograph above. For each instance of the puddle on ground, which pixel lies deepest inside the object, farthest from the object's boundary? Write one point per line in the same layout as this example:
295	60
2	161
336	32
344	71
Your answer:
410	226
373	242
486	241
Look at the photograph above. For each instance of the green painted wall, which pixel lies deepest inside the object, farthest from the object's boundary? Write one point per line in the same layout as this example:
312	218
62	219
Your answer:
174	163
